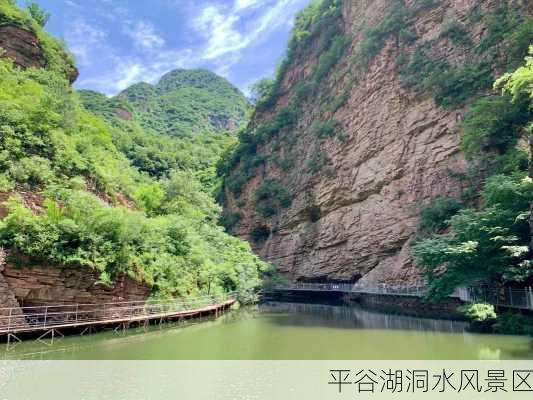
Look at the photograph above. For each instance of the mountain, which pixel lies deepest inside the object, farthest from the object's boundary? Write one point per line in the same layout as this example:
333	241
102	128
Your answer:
185	121
185	102
95	206
381	154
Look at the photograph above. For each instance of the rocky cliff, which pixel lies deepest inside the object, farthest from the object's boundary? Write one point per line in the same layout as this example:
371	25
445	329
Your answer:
42	285
371	141
28	45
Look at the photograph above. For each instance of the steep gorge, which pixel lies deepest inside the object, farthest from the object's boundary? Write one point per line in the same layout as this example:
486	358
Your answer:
372	142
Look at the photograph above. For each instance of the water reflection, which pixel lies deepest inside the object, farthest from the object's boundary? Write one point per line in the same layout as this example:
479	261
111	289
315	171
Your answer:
354	317
289	331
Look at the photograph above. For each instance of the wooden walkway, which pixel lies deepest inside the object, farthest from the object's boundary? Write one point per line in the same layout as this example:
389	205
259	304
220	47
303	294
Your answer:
52	319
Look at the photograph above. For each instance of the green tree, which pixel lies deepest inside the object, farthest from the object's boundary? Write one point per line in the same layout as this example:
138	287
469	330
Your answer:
493	243
40	15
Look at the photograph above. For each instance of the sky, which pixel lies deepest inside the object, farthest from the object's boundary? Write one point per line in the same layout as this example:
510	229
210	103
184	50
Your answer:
117	43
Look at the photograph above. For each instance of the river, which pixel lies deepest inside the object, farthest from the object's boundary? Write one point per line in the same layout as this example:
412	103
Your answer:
287	331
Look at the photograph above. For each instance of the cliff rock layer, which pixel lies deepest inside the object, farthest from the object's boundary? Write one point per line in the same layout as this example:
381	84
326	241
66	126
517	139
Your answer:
22	46
36	286
368	148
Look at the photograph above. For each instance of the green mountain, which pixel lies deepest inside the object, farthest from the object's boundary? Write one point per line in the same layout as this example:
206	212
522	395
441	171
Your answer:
186	121
84	184
186	102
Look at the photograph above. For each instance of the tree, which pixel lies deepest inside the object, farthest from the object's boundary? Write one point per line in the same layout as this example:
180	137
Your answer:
518	84
261	90
491	244
40	15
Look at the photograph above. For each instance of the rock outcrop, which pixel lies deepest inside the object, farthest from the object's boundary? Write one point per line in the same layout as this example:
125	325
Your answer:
22	45
7	297
355	219
42	285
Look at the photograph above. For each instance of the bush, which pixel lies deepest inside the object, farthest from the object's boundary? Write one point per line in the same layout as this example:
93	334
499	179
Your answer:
325	129
481	316
514	323
270	197
230	219
456	85
479	312
330	58
494	123
317	161
376	37
260	233
337	103
457	33
435	216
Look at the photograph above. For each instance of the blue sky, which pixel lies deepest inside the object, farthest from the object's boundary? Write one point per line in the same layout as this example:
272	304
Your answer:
120	42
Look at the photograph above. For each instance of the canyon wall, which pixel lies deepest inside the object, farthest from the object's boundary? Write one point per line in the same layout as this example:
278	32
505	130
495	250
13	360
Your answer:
354	219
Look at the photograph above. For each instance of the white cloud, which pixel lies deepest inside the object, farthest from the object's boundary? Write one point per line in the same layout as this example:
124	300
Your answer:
82	39
125	71
225	32
243	4
145	36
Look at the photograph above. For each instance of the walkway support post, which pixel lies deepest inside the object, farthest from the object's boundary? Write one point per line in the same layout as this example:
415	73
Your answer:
9	320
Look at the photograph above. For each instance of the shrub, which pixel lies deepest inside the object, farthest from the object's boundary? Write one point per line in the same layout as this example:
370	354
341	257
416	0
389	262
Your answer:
514	323
376	37
457	33
260	233
271	196
337	103
453	87
325	129
230	219
494	123
435	216
317	161
330	58
479	312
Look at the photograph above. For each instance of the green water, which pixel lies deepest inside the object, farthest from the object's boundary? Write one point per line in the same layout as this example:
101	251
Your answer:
289	331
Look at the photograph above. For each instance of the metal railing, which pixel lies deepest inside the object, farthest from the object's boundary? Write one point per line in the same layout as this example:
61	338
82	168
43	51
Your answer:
417	290
20	319
520	298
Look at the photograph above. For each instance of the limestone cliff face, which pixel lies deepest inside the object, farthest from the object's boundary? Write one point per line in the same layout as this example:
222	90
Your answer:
356	217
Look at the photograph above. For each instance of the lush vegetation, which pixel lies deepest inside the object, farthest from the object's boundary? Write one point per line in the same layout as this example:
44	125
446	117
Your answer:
187	102
484	318
157	153
453	85
91	188
490	243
